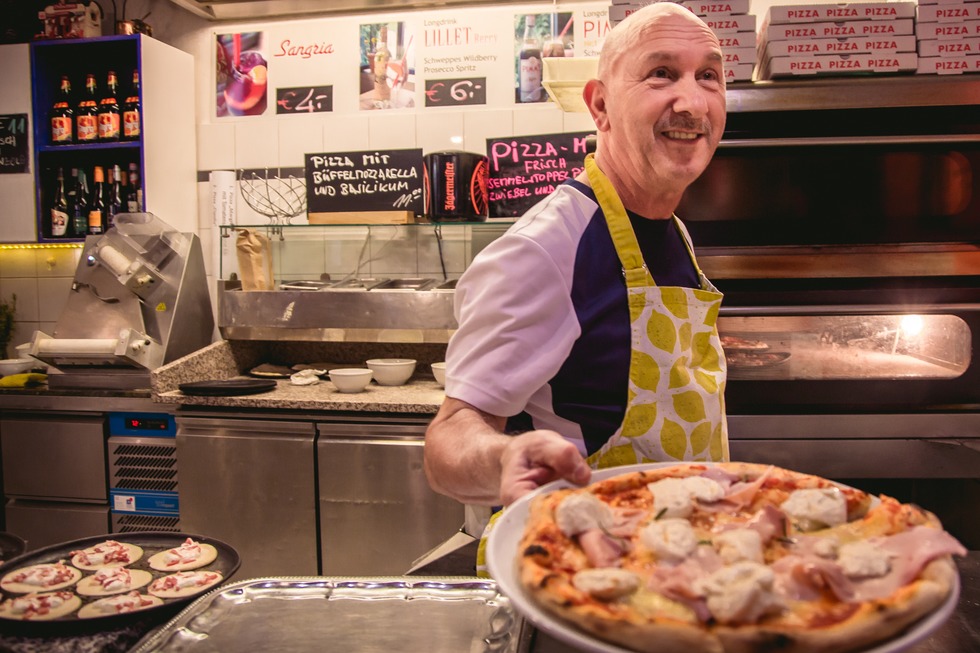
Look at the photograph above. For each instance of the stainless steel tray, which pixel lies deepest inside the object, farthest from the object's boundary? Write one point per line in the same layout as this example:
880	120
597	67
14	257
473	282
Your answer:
367	615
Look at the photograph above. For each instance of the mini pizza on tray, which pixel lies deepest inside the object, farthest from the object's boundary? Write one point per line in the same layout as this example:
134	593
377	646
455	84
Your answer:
37	578
184	583
120	604
40	606
189	555
733	557
106	554
743	344
113	580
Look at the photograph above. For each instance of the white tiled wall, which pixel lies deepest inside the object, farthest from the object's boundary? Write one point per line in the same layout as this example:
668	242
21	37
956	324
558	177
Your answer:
41	279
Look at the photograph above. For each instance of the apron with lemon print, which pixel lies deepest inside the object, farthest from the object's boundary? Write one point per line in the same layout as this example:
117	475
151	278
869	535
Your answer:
675	407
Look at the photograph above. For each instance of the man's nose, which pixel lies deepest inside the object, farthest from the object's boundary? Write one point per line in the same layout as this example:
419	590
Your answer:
690	97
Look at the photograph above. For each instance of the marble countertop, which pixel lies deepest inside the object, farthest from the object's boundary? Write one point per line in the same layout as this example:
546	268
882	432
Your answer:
226	360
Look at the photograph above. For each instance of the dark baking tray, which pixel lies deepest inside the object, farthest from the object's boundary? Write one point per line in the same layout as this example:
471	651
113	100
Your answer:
151	542
229	388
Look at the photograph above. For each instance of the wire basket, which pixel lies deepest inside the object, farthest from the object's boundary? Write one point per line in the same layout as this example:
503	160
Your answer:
276	197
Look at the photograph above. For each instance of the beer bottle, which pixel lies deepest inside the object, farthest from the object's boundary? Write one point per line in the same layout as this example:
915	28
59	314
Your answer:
86	114
59	208
135	197
96	205
529	68
131	111
114	205
62	116
79	212
109	116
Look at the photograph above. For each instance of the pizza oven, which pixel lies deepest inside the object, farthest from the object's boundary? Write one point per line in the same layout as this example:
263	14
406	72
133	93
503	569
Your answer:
841	219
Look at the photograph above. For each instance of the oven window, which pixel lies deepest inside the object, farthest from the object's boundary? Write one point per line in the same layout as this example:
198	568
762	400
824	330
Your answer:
855	347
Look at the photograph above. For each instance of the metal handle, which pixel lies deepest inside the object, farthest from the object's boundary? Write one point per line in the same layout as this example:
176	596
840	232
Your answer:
851	140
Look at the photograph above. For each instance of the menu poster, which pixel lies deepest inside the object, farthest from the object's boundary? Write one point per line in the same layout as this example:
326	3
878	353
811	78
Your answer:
387	66
13	143
241	85
537	36
524	169
362	182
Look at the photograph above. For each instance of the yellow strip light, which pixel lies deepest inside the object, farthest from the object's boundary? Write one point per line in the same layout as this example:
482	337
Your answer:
4	246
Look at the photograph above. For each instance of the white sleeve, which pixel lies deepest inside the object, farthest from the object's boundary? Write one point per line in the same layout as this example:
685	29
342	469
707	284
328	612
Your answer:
516	323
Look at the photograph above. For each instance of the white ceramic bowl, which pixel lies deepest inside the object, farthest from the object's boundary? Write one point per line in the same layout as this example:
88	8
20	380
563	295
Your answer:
392	371
439	371
10	366
350	379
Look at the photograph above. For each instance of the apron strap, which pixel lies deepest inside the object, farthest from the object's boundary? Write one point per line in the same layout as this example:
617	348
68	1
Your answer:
634	269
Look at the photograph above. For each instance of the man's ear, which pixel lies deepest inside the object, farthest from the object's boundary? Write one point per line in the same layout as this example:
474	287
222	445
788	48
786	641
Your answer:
594	95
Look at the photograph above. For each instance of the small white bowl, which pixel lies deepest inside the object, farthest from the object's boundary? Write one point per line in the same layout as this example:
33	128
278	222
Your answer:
350	379
439	371
10	366
392	371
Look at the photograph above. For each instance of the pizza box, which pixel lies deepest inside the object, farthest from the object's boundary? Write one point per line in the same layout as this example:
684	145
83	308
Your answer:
844	11
937	48
717	7
947	31
727	24
738	40
735	56
740	72
955	65
842	29
950	13
844	64
857	44
943	2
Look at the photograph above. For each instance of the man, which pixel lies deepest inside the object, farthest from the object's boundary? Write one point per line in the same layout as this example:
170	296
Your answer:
596	345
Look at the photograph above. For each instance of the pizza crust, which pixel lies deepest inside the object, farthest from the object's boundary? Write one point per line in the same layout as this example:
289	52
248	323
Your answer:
12	607
548	560
90	585
108	607
208	555
8	584
134	553
207	579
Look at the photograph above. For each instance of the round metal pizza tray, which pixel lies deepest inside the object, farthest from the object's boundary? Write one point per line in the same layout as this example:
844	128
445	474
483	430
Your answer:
503	546
11	546
227	563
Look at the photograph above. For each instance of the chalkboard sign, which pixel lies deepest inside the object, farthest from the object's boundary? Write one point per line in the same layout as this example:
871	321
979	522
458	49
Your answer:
455	92
375	180
13	143
524	169
304	99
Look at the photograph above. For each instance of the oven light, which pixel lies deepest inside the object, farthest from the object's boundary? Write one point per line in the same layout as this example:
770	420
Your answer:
912	325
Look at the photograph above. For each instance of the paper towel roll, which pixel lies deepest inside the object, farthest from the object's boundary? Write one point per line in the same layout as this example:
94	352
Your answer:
223	197
113	259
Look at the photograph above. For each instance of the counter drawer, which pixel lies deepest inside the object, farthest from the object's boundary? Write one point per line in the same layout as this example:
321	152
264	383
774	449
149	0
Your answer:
61	458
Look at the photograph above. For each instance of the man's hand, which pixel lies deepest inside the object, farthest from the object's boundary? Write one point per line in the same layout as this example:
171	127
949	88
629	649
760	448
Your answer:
537	457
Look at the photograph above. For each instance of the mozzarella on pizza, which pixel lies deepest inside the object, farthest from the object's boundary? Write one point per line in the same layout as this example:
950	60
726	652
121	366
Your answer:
113	580
106	554
41	606
130	602
189	555
43	577
184	583
734	557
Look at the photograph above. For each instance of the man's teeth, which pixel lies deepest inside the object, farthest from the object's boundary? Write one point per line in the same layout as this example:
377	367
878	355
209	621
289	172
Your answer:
684	136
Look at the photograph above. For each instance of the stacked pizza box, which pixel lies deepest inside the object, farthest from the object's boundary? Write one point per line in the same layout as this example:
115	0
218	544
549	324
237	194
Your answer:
948	34
838	39
731	22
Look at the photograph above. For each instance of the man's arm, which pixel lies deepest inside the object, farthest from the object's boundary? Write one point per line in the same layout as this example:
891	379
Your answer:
469	458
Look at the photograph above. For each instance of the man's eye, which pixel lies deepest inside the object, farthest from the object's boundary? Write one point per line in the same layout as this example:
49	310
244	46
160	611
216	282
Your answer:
660	73
710	75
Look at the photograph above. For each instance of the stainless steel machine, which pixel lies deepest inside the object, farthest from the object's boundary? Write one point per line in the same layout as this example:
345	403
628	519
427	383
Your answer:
139	299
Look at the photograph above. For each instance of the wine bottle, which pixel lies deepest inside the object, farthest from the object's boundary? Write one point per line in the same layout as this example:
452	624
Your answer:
529	67
131	111
135	197
97	203
59	208
62	116
86	114
114	204
109	116
79	212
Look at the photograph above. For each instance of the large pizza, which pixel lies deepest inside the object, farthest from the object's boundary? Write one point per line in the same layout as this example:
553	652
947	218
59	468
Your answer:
733	557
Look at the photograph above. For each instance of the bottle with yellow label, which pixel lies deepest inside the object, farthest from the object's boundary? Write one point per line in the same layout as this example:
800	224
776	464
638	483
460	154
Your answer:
86	114
109	115
131	111
62	116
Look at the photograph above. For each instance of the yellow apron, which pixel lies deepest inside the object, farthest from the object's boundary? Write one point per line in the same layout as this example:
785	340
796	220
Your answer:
675	408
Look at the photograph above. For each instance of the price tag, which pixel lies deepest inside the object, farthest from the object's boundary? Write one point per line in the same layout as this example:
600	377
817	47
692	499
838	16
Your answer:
304	99
13	143
455	92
